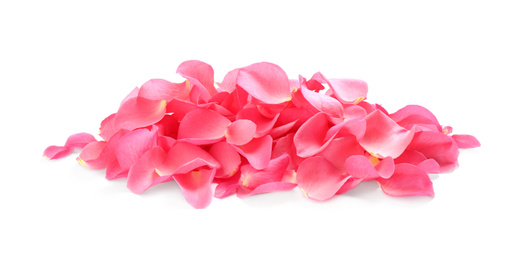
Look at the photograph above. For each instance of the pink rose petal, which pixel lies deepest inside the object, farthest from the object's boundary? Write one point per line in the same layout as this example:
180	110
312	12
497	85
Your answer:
407	180
319	179
203	126
438	146
310	137
384	137
160	89
200	74
466	141
143	175
132	145
79	140
411	115
240	132
184	157
195	186
266	82
227	157
257	152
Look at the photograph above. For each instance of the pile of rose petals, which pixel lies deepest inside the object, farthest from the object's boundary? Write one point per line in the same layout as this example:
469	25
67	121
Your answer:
258	131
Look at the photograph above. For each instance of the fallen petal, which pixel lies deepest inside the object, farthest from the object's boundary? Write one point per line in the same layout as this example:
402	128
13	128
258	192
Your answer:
319	179
203	126
384	137
407	180
266	82
466	141
195	186
227	157
240	132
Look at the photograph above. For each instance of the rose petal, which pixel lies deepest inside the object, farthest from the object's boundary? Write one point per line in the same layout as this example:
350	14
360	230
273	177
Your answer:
240	132
319	179
142	174
310	137
98	155
203	126
466	141
411	115
340	149
139	112
384	137
263	124
184	157
321	102
252	178
195	186
266	82
266	188
407	180
199	73
134	144
227	157
79	140
160	89
438	146
257	151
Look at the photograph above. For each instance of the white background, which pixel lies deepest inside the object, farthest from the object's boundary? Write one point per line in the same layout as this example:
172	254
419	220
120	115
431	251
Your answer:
65	66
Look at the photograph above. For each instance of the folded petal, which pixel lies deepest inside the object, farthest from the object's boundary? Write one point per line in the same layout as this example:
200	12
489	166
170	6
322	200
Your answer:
57	152
196	186
438	146
350	184
227	186
355	127
184	157
319	179
229	81
415	115
160	89
266	188
310	137
340	149
143	175
407	180
321	102
361	167
79	140
134	144
354	111
430	166
345	90
384	137
199	74
98	155
386	167
466	141
107	129
91	156
115	171
252	178
411	157
349	90
139	112
257	151
227	157
203	126
285	145
263	124
266	82
240	132
179	108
